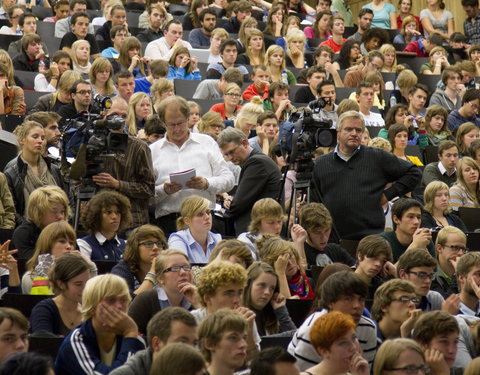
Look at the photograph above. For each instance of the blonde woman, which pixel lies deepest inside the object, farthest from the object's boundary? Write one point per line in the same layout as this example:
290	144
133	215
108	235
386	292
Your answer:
275	63
29	171
139	108
437	61
161	89
248	24
254	49
283	256
80	54
465	192
399	353
389	53
211	123
101	74
194	236
437	210
107	336
248	115
296	42
409	31
231	99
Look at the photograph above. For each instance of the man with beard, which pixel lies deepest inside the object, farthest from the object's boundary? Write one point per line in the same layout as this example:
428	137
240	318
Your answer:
200	37
155	20
468	276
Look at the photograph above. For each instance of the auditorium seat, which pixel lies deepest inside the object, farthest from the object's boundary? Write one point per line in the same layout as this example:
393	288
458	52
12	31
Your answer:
31	98
299	309
42	12
350	246
471	218
10	122
269	342
27	79
22	302
45	345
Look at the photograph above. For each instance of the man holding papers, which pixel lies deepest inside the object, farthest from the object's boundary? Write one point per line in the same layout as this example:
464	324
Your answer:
181	151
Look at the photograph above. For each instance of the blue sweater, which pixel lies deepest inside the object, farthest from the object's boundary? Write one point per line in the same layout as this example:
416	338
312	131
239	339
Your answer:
181	73
79	353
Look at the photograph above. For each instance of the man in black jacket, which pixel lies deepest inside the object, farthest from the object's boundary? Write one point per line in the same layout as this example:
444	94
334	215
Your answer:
259	178
32	55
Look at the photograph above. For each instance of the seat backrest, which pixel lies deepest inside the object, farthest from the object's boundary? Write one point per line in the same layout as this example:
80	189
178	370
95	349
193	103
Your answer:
471	217
298	310
45	345
31	98
22	302
27	79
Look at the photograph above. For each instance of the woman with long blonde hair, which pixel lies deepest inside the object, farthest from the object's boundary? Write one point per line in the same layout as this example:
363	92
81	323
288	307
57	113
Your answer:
80	54
390	65
248	24
139	108
254	49
276	66
101	74
465	192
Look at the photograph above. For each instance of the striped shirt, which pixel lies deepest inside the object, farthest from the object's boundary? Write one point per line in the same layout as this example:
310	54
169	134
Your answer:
301	348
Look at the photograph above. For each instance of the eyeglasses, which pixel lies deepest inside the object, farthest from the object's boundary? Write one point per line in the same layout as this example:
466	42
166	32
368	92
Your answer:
186	267
151	244
457	248
423	275
236	96
231	152
171	126
84	92
411	369
474	106
216	126
406	299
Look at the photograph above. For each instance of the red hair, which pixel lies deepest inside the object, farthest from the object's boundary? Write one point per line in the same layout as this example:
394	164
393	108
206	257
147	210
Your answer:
329	328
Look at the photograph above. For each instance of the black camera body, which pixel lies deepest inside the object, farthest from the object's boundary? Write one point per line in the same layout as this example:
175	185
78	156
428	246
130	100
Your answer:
90	139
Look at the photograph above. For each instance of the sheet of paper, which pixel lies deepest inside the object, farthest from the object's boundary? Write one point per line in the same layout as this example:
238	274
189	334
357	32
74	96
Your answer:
183	177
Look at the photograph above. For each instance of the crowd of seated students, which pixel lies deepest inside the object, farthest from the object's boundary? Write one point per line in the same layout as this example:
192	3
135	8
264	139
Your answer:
152	266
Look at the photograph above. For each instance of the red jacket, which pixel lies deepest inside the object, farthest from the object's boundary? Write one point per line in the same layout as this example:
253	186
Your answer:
252	91
416	47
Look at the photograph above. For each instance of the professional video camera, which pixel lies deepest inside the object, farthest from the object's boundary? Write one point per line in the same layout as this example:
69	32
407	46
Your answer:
307	131
89	138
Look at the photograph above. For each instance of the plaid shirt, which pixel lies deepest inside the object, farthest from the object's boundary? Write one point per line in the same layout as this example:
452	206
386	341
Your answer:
472	30
134	170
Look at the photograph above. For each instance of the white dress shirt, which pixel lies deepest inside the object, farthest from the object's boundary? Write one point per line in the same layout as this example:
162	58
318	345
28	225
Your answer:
199	151
159	49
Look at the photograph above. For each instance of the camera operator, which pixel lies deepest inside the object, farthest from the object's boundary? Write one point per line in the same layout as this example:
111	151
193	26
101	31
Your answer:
326	91
131	173
81	93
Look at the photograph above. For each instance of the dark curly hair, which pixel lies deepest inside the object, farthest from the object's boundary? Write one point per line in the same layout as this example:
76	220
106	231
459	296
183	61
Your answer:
344	55
92	216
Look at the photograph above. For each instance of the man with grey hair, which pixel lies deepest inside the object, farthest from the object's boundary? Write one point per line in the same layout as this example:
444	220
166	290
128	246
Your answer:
352	179
181	151
259	177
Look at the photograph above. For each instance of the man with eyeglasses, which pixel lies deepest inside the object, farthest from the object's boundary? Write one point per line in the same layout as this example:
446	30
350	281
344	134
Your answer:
468	112
468	276
179	151
259	177
407	233
418	267
81	94
373	63
394	309
450	245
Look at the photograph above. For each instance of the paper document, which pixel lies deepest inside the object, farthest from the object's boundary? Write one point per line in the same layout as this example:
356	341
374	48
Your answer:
183	177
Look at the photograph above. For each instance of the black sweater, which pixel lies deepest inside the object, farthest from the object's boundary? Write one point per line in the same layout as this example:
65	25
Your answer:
352	190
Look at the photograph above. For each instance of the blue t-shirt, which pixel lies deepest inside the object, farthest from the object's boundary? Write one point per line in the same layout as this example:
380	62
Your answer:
142	85
381	18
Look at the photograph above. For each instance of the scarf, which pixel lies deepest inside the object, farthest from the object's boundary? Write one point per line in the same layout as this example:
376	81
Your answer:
300	286
32	181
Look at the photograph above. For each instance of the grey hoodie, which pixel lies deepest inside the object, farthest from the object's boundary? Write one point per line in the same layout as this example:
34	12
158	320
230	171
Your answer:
138	364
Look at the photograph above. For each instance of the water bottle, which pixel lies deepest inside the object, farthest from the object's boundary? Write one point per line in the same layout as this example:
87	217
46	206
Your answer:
393	100
284	77
41	65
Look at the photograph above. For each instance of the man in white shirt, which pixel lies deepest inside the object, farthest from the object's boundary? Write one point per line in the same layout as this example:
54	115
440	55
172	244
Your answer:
179	151
163	48
365	96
